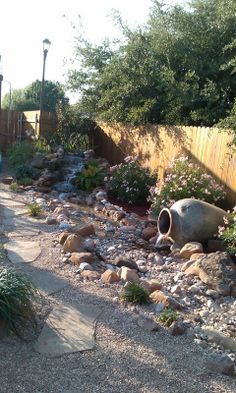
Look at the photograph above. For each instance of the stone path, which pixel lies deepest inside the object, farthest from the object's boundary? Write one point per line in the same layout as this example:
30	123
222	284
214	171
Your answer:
68	328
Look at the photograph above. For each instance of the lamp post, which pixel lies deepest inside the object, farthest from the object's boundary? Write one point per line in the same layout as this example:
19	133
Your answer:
46	46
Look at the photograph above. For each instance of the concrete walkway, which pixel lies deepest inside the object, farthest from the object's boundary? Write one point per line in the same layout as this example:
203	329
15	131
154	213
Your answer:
68	329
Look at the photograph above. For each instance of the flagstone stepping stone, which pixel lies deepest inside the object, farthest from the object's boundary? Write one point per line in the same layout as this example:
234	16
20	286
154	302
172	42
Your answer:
44	280
68	329
22	251
10	213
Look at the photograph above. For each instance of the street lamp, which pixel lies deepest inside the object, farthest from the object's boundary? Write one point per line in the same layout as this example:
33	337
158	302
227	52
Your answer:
46	46
1	79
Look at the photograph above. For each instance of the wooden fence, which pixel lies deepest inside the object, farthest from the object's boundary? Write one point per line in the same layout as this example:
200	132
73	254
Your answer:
157	145
17	126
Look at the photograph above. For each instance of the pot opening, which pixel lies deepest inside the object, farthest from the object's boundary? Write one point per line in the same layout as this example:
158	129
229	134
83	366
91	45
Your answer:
164	222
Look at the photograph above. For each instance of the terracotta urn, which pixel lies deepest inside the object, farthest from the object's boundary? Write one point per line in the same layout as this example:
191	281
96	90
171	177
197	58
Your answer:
190	220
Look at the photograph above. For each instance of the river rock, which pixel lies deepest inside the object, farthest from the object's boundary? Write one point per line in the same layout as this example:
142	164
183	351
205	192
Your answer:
85	230
90	275
50	220
73	243
79	257
191	248
216	270
110	276
62	238
166	299
61	211
221	364
148	324
149	232
196	256
120	261
127	274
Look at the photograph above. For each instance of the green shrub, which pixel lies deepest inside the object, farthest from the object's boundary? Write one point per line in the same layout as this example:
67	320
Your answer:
168	316
130	182
185	180
135	293
20	154
227	232
42	145
26	181
14	187
34	209
17	300
92	176
26	171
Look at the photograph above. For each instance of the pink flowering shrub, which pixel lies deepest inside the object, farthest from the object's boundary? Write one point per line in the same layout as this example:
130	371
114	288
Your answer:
227	232
185	180
130	182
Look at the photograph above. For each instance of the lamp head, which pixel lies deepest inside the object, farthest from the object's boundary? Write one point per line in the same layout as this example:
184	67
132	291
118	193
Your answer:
46	45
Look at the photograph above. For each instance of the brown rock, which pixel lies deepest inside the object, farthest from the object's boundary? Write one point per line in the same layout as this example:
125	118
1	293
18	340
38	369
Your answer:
79	257
166	299
221	364
186	265
127	274
119	262
73	243
216	270
63	236
149	232
196	256
152	285
178	328
191	248
84	231
90	275
109	277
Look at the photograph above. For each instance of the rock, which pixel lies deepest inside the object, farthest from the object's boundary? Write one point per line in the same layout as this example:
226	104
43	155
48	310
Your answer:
159	307
7	180
79	257
186	265
194	289
89	245
148	324
152	285
212	293
128	274
89	154
221	364
127	229
109	277
64	225
191	248
90	200
120	261
62	238
153	240
100	195
85	230
196	256
176	289
166	299
158	260
89	275
73	243
216	270
178	328
50	220
149	232
85	266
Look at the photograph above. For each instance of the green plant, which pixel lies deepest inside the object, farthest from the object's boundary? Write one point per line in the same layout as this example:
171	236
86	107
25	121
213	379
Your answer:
135	293
227	232
20	154
17	301
26	171
168	316
14	187
92	176
34	209
26	181
42	145
185	180
130	182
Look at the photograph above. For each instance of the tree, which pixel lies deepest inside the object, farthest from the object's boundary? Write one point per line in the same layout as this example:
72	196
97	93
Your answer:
176	70
29	97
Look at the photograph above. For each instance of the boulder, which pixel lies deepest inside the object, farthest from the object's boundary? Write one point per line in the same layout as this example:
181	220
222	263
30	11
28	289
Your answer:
62	238
149	232
221	364
166	299
120	261
152	285
109	277
79	257
216	270
73	243
196	256
85	230
127	274
191	248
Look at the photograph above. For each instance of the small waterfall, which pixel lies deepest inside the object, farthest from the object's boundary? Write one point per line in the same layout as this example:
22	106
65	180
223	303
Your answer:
74	164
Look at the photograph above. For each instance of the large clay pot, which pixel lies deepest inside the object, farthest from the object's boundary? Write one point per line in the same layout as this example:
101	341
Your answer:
190	220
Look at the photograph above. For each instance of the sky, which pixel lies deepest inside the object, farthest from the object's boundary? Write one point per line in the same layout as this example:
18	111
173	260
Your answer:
26	23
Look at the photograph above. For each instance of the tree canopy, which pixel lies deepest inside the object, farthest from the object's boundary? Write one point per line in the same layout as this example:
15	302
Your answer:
29	98
177	69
